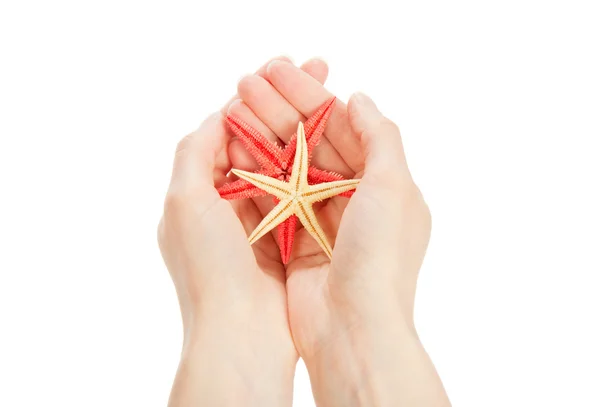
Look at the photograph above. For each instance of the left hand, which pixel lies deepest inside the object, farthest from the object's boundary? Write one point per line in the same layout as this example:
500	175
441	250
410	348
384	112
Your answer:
237	344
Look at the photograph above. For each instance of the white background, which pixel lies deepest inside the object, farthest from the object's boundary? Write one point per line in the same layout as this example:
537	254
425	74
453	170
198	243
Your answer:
499	105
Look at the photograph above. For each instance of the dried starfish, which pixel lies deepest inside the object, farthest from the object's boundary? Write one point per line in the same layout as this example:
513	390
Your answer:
296	196
276	162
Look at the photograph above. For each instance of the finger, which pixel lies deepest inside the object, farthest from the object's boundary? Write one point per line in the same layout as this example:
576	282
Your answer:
262	71
288	80
239	155
269	106
240	110
241	159
306	94
376	218
380	139
318	70
194	167
315	67
282	118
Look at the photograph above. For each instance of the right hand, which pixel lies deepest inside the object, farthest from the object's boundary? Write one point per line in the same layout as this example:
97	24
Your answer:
351	319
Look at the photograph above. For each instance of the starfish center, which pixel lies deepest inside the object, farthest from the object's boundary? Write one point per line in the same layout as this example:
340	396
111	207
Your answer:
283	173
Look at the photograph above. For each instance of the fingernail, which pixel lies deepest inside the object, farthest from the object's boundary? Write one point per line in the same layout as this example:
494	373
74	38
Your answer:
284	58
319	59
243	77
363	99
273	64
233	105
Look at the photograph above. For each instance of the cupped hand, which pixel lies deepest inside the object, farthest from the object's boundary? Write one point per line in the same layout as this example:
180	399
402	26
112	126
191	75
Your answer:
237	342
351	317
386	223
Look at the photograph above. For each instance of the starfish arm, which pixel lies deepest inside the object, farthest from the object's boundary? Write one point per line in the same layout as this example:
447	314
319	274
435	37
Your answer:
300	168
307	216
317	176
267	154
286	231
320	192
278	214
347	194
273	186
319	118
314	127
240	189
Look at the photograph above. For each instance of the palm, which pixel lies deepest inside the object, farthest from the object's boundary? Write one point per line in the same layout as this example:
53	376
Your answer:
314	285
262	279
309	267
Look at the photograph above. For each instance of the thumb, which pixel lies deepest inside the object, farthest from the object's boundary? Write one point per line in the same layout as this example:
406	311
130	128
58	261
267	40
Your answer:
380	139
195	164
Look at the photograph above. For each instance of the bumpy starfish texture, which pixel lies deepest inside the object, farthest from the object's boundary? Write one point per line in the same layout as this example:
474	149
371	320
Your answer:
277	162
274	161
297	196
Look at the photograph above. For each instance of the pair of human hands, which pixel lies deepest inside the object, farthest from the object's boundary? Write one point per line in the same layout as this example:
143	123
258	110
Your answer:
246	316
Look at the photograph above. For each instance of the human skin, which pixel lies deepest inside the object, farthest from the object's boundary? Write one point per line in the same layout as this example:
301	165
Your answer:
351	318
237	346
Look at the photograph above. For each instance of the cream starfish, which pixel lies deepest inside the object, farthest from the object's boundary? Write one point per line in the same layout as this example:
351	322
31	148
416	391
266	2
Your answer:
296	196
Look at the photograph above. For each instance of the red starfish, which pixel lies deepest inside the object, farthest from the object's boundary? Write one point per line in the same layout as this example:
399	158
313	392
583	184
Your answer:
276	162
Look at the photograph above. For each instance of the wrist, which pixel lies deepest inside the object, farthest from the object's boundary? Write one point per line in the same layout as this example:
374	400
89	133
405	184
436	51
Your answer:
230	359
361	366
252	343
233	373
